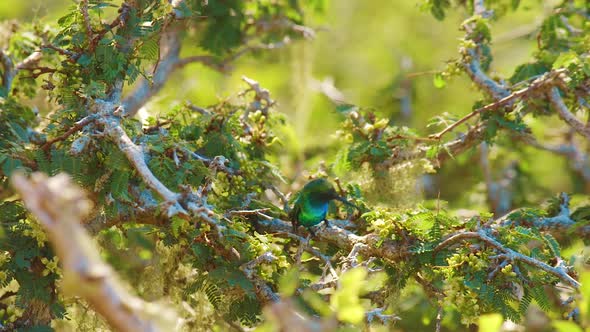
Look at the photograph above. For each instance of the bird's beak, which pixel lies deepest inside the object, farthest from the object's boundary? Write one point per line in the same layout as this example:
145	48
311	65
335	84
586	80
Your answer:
343	200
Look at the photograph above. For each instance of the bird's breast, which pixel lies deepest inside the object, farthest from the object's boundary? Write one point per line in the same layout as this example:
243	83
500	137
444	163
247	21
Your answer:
312	213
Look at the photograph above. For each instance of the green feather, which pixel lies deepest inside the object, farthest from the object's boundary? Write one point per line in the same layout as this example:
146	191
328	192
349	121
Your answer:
311	203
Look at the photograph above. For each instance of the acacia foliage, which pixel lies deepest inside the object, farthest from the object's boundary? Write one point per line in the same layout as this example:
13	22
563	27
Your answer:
210	234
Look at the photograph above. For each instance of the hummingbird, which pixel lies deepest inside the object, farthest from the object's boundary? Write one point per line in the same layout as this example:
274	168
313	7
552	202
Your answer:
311	203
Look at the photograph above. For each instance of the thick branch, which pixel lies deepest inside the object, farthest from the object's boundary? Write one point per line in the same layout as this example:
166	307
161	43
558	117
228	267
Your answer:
59	206
371	244
145	89
483	81
136	156
564	113
560	221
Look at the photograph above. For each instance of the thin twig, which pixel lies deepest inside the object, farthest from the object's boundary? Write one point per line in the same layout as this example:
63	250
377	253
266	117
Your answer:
86	16
558	271
506	101
76	127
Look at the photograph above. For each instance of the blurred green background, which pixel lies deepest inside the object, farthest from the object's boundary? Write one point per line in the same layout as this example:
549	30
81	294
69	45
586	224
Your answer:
378	54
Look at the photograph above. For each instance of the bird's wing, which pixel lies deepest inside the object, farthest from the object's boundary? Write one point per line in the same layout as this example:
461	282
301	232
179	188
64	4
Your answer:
294	214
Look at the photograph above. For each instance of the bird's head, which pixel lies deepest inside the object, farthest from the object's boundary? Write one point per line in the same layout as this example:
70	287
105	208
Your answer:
321	190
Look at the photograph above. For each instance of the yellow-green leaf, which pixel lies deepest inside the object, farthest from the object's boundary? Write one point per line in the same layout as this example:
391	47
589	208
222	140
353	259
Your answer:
566	326
490	323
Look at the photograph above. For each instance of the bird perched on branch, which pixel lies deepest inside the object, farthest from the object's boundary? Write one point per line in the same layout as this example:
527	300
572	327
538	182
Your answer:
311	203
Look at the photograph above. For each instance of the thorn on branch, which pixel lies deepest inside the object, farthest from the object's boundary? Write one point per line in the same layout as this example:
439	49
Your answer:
351	261
258	212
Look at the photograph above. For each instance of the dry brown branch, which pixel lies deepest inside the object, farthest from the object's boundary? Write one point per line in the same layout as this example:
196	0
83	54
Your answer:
76	127
59	206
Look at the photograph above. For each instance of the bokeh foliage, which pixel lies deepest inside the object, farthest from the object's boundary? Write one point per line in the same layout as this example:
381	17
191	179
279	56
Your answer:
414	68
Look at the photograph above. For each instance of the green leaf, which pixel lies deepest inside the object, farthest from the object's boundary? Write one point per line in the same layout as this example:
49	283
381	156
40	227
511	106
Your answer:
289	282
19	132
432	151
439	81
564	60
490	323
566	326
119	184
527	71
84	60
177	224
10	165
20	258
346	300
514	4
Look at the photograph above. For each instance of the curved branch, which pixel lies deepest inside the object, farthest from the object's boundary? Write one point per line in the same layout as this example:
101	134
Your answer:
564	113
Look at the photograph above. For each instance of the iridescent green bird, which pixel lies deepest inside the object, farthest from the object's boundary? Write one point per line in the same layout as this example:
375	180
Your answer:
311	204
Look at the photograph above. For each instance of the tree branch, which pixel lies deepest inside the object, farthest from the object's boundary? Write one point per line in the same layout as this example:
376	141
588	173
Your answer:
524	93
264	293
169	50
558	271
136	156
60	206
565	114
370	244
79	125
